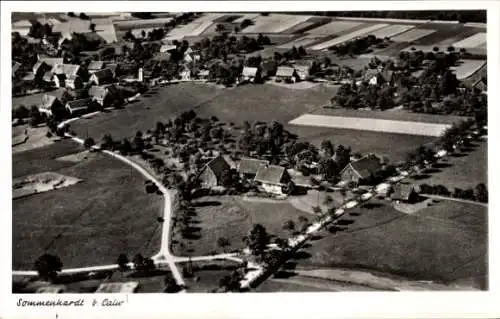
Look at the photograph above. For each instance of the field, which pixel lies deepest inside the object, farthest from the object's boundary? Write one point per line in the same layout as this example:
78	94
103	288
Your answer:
302	41
274	23
370	124
196	27
305	26
89	223
412	35
347	37
427	246
392	30
476	40
335	27
396	115
467	68
233	217
394	146
462	172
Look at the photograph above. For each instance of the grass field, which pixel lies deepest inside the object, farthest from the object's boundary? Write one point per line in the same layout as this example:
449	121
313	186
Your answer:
412	35
392	30
232	218
335	27
377	237
370	124
467	68
464	172
347	37
86	224
274	23
250	102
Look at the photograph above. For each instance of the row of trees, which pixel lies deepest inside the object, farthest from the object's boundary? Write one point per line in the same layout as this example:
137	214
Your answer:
479	193
357	46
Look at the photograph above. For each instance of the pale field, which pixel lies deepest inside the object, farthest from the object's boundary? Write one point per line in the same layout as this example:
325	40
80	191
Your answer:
250	16
476	40
302	41
468	68
392	30
347	37
334	27
141	23
367	124
274	23
412	35
195	27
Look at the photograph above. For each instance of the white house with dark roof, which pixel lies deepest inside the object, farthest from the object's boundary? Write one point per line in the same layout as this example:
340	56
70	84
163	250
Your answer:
95	66
101	77
272	178
74	82
362	170
105	95
49	105
79	106
212	174
249	74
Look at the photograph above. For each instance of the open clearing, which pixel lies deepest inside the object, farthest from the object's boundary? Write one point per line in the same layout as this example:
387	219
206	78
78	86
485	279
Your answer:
467	68
394	146
396	115
463	171
335	27
392	30
40	183
412	35
274	23
347	37
379	238
476	40
377	125
302	41
232	217
89	223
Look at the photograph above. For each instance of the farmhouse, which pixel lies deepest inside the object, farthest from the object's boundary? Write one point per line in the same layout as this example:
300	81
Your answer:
69	70
167	48
248	167
74	82
50	60
406	193
286	74
50	105
185	75
362	170
101	77
79	106
40	68
302	71
105	95
213	173
272	178
95	66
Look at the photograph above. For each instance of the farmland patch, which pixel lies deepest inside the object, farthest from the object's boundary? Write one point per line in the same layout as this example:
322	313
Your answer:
467	68
474	41
274	23
392	30
302	41
40	183
377	125
347	37
335	27
412	35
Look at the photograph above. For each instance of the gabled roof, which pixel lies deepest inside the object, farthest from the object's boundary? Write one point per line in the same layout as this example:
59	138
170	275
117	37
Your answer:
38	65
480	85
167	47
73	78
96	65
249	71
365	166
302	68
51	60
70	70
48	76
79	104
48	101
403	191
285	71
104	74
29	77
387	75
370	73
250	165
270	174
101	91
218	165
15	67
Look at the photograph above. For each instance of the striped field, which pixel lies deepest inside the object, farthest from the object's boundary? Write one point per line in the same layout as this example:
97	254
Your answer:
468	68
274	23
335	27
412	35
370	124
347	37
392	30
302	41
474	41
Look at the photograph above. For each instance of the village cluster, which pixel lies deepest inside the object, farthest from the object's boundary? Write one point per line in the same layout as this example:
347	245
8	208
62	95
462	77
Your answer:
71	68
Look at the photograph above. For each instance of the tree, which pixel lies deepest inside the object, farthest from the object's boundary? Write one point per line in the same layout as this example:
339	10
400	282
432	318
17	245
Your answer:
88	142
122	262
257	239
48	266
303	222
125	147
343	193
223	242
83	16
328	148
92	27
107	142
220	28
170	284
138	142
481	193
289	225
138	262
35	116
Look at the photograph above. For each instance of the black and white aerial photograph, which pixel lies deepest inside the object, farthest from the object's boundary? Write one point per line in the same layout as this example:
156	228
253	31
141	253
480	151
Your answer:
249	152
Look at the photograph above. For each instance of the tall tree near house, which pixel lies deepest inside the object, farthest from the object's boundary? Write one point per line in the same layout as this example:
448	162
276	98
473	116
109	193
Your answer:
257	239
107	142
88	142
92	27
223	242
303	223
138	262
289	226
122	262
48	266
